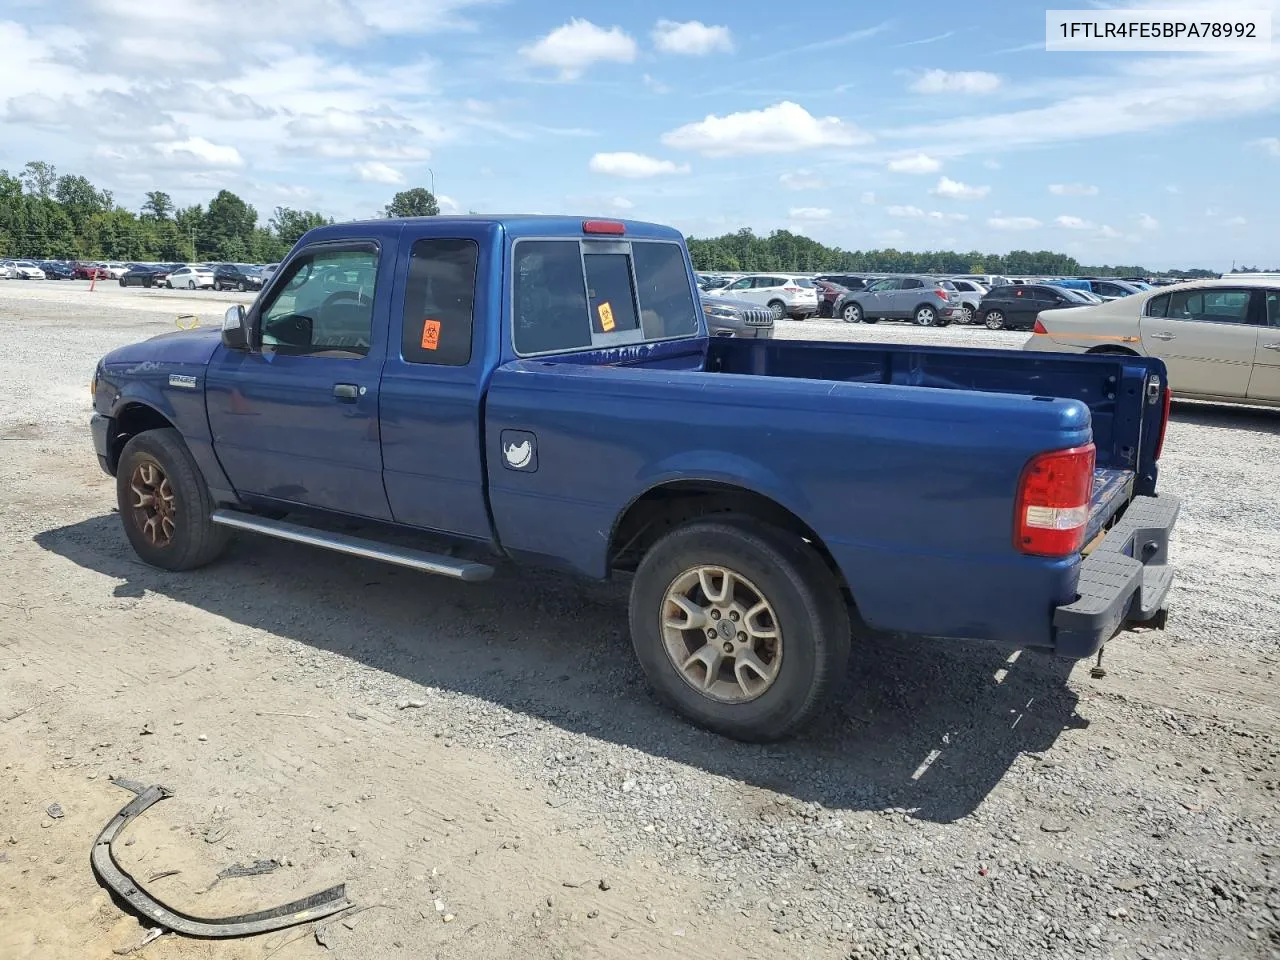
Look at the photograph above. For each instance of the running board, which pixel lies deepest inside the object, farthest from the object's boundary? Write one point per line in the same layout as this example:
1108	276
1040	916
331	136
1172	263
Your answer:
355	546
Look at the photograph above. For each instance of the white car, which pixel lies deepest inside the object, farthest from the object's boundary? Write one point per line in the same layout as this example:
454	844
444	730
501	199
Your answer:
1220	339
23	270
971	294
190	278
268	272
786	295
115	270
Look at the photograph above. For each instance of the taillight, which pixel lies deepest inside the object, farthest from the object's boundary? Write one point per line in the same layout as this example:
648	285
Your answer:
942	294
790	289
1039	328
1053	502
1164	421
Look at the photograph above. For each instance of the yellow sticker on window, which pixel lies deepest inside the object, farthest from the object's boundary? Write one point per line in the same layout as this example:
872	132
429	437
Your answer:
606	317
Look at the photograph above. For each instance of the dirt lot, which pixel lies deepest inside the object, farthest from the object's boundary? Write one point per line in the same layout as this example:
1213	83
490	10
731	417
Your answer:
955	804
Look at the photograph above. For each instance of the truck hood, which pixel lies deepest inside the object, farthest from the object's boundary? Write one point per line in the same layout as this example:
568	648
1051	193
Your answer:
182	346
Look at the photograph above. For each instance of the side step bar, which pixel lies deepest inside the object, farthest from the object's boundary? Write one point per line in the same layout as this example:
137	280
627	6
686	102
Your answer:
355	546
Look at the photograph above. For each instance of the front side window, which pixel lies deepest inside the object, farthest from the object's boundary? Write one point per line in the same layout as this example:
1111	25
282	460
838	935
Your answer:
742	284
324	308
880	286
439	302
1210	306
566	294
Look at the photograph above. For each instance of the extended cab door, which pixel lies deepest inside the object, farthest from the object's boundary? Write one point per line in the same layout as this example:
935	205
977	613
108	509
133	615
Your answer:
1207	338
444	327
295	418
1265	382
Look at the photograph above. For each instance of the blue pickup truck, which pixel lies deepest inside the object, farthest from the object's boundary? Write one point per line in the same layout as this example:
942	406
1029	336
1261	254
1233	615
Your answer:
455	393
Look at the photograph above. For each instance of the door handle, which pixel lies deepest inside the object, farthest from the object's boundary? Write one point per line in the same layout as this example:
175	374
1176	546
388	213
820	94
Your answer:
1164	336
346	391
1271	346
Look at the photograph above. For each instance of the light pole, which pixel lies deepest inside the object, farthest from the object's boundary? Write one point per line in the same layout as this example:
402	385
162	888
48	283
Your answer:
433	180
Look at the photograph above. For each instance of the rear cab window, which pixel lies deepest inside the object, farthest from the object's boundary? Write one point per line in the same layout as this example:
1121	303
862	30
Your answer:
585	294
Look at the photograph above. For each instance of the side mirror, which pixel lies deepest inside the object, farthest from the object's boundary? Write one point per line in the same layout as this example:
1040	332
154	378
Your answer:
235	328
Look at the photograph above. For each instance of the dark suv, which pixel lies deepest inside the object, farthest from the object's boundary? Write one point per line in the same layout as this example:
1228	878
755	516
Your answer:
232	276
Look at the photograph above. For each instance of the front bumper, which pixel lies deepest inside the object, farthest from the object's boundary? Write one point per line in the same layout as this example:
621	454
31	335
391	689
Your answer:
1125	580
102	428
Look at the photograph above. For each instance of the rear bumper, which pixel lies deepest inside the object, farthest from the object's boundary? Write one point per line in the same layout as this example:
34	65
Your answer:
1125	580
102	429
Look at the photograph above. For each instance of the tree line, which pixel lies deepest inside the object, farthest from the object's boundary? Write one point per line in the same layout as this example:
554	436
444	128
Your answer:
48	216
783	250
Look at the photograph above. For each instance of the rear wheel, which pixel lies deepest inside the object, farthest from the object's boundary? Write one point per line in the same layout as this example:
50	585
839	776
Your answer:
240	286
191	284
165	504
994	320
778	309
966	314
926	316
739	627
852	313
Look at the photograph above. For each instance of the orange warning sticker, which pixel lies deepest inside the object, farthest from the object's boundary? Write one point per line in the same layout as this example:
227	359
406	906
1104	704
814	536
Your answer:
430	334
605	312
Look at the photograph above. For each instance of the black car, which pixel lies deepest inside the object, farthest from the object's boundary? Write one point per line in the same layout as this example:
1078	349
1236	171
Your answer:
56	271
231	276
1015	306
847	280
140	276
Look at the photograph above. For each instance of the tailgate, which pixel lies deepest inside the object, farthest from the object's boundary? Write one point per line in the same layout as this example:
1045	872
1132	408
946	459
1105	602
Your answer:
1112	491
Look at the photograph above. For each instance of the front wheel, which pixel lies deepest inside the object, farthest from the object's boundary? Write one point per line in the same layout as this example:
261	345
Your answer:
966	314
994	320
739	627
778	309
191	284
165	504
240	287
852	313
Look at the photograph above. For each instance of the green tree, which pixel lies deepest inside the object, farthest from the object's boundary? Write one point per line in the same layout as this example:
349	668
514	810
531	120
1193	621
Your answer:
190	224
159	205
289	224
39	177
228	228
415	202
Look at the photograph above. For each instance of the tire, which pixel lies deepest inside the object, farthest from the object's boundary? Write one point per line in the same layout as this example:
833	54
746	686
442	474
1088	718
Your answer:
191	284
852	313
966	313
240	287
168	285
121	282
778	309
188	539
809	614
994	320
925	316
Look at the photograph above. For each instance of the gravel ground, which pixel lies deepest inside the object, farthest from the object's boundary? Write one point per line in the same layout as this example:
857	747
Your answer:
488	753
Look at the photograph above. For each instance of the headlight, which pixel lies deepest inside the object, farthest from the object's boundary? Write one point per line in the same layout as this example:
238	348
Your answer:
719	311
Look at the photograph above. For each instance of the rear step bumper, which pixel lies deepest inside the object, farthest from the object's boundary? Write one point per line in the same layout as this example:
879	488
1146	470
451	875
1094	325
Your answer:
1123	581
355	546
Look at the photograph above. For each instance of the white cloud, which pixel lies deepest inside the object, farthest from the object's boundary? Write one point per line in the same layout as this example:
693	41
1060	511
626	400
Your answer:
782	128
1235	221
1148	222
692	38
951	217
956	190
915	213
917	163
1172	189
654	84
200	149
1072	223
1073	190
447	203
809	213
991	164
1012	223
1110	233
622	203
802	180
634	166
375	171
892	236
899	211
1270	144
963	81
869	197
578	44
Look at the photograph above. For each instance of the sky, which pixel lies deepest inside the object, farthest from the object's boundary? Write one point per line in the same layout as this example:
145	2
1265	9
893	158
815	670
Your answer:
917	125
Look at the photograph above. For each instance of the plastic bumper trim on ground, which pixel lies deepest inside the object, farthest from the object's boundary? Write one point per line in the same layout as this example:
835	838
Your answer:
1124	580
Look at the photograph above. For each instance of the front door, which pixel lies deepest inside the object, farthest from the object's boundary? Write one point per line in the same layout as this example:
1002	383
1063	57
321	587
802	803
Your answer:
1265	382
879	298
740	290
295	419
1206	337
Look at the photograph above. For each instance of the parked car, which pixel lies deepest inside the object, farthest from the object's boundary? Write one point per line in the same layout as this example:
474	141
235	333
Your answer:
1220	339
234	276
115	270
268	272
1111	289
190	278
828	294
23	270
971	294
847	280
927	301
142	277
787	295
86	270
737	318
757	499
1015	306
54	270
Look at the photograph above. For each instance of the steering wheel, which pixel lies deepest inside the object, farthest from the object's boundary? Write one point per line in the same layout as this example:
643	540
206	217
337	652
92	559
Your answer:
340	295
